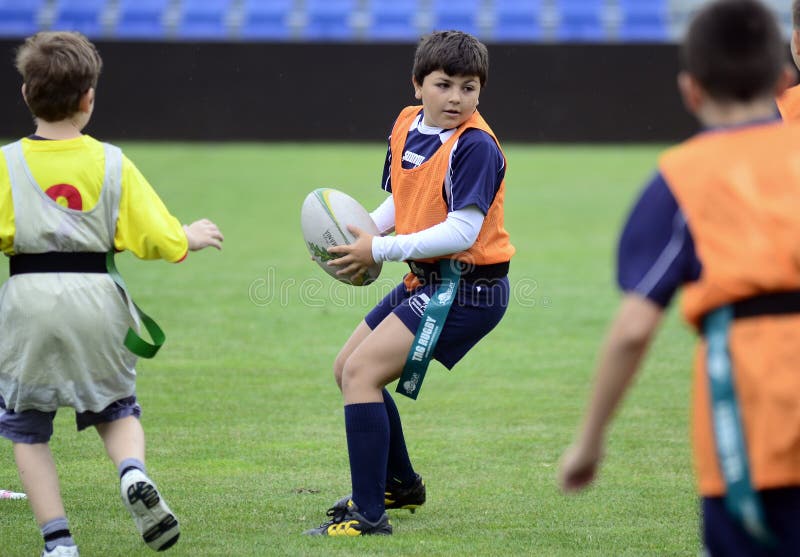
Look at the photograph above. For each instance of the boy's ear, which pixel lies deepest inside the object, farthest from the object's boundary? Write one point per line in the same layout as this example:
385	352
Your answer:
87	101
24	97
692	92
417	88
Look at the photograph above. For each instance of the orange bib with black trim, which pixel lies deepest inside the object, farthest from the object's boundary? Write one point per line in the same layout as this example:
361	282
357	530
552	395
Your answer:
740	192
418	199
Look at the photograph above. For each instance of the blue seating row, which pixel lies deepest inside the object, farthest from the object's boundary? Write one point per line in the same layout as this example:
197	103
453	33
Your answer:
377	20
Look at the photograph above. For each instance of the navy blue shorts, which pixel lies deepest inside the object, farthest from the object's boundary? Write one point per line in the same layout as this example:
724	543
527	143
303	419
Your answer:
723	536
478	308
34	426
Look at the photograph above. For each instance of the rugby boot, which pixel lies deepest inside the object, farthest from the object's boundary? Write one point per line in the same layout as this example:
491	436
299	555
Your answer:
346	520
411	497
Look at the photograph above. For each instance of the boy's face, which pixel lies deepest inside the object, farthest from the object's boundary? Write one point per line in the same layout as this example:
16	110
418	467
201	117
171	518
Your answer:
448	101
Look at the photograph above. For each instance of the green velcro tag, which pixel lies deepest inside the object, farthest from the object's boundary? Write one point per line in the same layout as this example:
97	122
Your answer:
429	329
133	341
741	500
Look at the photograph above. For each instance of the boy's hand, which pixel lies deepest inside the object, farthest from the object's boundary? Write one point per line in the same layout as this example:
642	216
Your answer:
578	468
203	233
354	258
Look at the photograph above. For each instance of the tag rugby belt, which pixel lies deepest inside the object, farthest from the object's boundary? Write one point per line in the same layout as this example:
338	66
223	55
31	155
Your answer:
742	501
57	262
776	303
430	272
93	262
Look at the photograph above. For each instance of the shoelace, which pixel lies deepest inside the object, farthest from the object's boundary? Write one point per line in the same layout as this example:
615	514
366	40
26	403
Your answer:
337	515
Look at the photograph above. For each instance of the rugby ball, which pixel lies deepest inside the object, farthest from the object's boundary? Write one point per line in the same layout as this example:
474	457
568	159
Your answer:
324	218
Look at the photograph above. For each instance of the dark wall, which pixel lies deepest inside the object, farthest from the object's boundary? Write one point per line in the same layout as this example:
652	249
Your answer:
293	92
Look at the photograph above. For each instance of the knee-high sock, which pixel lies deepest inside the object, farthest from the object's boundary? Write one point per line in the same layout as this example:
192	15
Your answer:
399	467
367	427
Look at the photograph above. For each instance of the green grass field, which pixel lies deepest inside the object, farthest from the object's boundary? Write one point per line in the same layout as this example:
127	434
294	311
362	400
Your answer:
244	422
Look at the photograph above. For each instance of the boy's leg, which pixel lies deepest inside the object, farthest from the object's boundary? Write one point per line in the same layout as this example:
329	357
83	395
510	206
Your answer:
404	487
123	437
374	362
377	361
30	432
37	471
399	468
124	440
358	335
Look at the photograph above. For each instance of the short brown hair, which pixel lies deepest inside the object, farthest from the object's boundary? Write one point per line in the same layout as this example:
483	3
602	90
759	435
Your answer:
453	52
58	68
734	49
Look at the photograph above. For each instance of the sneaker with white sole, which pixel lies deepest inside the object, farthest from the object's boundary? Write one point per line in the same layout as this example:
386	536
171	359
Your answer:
5	494
62	551
155	522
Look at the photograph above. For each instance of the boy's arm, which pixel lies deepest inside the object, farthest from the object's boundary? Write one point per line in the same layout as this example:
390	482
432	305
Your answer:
147	228
626	344
476	173
457	233
383	216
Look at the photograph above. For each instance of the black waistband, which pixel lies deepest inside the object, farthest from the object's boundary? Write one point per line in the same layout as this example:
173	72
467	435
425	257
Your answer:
428	272
777	303
57	262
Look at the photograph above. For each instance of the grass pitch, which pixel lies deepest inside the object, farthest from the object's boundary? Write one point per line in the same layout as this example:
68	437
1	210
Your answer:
244	423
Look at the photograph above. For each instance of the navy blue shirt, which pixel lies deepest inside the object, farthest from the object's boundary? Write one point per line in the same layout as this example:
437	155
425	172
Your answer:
656	253
476	168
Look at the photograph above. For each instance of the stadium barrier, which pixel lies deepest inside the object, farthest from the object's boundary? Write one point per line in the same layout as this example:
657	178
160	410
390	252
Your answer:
214	91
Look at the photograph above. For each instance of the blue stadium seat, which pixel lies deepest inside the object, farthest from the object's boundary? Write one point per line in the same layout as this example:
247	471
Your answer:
461	15
266	19
19	19
141	19
80	15
329	20
581	20
204	19
644	21
517	20
390	20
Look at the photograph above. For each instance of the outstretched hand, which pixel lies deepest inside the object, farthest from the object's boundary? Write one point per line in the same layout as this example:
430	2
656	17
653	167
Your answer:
356	258
202	234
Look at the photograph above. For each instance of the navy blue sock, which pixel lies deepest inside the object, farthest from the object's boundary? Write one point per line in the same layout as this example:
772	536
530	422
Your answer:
56	532
367	429
399	469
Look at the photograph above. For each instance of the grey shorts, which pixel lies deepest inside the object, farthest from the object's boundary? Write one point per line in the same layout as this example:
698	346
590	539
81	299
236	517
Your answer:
34	426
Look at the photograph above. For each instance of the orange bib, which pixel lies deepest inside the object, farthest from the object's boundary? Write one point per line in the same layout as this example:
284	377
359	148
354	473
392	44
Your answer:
740	192
418	197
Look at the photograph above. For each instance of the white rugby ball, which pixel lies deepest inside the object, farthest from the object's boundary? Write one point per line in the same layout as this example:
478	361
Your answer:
324	218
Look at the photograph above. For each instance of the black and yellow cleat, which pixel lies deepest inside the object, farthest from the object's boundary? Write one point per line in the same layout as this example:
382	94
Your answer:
345	520
411	497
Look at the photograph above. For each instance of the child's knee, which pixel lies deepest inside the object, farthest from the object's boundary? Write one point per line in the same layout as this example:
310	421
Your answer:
338	369
357	374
